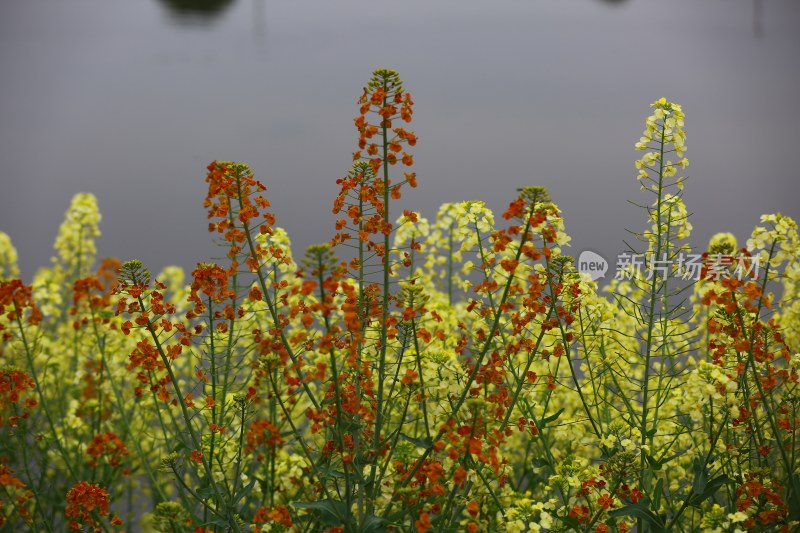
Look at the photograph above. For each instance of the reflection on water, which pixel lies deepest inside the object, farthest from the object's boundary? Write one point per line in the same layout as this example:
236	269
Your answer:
197	10
758	15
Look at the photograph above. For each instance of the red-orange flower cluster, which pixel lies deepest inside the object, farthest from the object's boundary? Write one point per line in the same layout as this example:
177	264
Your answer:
17	493
211	283
363	191
86	505
15	298
236	207
107	446
262	433
14	385
277	515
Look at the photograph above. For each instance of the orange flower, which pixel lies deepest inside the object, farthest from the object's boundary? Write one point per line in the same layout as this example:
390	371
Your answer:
473	508
13	385
106	444
18	297
581	513
278	515
460	476
605	501
423	523
85	504
262	433
12	485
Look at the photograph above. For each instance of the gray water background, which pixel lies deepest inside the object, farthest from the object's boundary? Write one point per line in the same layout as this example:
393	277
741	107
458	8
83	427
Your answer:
131	99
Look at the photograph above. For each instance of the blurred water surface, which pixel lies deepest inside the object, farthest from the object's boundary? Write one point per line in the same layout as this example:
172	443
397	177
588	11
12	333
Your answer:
130	100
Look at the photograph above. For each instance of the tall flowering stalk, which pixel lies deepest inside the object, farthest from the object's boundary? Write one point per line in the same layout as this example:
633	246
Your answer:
663	141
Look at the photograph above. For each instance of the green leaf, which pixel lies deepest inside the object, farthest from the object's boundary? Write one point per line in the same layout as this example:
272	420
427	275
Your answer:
571	522
794	499
330	472
350	426
552	418
245	491
540	462
709	490
642	511
373	524
658	464
205	492
654	463
657	492
217	521
329	512
420	443
700	476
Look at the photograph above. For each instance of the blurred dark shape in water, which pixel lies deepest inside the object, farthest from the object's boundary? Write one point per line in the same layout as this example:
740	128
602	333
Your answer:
758	18
614	2
194	11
